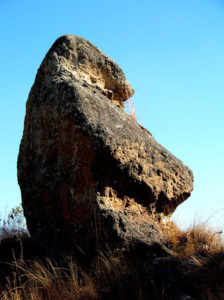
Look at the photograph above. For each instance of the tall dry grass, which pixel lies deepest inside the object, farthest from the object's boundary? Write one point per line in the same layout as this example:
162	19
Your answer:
198	239
48	281
36	280
199	249
131	109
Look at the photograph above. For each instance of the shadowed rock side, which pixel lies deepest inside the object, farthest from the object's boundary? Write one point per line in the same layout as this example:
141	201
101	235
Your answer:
85	168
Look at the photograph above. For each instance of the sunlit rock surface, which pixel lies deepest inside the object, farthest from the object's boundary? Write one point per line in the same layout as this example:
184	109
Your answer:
86	170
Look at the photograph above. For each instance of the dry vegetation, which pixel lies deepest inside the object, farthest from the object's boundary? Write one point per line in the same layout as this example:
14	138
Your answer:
46	280
131	109
199	249
39	281
202	250
199	239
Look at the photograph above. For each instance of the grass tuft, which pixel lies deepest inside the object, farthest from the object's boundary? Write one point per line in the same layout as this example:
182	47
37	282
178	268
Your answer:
131	110
36	280
198	239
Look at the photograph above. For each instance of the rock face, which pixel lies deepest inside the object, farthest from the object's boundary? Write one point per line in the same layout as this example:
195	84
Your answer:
85	168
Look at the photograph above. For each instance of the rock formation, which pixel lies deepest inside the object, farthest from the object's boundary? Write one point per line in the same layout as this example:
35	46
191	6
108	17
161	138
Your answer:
85	168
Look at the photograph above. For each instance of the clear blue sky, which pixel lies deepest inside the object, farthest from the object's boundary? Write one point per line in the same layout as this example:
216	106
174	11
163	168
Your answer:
172	53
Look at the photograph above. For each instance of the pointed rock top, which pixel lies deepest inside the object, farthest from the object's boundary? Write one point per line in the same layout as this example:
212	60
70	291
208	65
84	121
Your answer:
76	58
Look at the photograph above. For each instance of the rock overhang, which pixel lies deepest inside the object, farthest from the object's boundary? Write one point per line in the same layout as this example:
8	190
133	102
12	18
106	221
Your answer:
82	61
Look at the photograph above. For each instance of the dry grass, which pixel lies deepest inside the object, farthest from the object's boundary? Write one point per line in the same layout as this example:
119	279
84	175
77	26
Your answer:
199	249
48	282
108	266
198	239
13	224
202	250
131	110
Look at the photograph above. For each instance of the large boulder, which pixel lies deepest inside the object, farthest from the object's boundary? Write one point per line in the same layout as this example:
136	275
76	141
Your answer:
85	168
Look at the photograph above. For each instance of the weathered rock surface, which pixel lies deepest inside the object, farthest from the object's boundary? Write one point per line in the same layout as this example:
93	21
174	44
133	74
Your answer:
85	167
